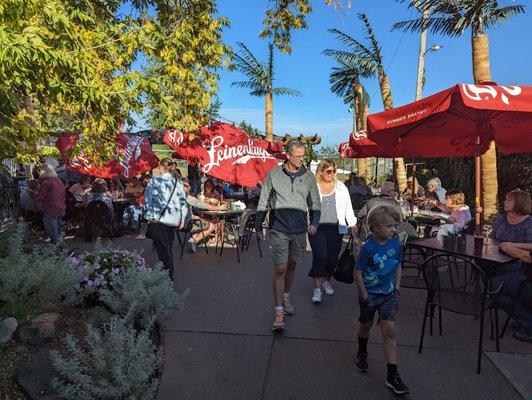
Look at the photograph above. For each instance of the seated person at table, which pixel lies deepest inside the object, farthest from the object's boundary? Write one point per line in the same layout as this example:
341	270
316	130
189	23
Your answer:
434	192
388	189
515	225
515	295
359	186
209	195
204	228
420	192
455	205
81	189
254	195
30	203
99	192
133	188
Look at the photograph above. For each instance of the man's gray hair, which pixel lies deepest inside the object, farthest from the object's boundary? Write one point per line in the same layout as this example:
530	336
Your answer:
435	181
294	143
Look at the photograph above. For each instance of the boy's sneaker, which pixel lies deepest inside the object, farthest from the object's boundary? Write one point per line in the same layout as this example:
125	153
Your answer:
328	288
316	297
397	385
278	323
288	308
362	362
192	246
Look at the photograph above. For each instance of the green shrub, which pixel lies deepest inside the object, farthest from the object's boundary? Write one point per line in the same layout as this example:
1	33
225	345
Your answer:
34	279
145	294
116	362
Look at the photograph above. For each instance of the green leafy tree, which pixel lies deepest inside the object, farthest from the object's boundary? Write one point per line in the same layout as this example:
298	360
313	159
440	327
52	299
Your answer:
283	17
369	61
69	66
454	18
261	80
331	152
250	129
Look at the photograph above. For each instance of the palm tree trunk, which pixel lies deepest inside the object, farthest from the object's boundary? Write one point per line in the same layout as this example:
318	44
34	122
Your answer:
481	72
387	101
269	117
361	111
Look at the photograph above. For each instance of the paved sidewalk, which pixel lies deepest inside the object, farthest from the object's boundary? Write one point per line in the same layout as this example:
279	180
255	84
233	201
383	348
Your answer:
221	346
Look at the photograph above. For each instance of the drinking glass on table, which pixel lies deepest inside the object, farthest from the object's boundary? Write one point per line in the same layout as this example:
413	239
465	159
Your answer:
487	230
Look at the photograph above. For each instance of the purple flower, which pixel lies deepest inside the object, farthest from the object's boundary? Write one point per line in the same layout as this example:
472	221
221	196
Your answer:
90	282
86	278
116	271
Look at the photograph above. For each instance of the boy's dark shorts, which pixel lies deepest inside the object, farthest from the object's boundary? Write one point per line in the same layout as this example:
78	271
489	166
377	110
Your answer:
386	304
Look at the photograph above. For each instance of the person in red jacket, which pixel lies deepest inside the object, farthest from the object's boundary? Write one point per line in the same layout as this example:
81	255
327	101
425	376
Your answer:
52	197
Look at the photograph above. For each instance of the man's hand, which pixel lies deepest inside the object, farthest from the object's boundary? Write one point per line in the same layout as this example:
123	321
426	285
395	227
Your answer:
181	225
259	234
312	229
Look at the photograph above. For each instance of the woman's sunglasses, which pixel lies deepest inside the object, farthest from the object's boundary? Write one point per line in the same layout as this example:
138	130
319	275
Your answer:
329	171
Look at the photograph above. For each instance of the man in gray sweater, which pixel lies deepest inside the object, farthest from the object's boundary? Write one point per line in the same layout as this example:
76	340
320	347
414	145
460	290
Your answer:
291	195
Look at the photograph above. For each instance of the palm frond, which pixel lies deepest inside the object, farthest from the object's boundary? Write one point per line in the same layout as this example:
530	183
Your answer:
247	85
502	14
367	68
370	35
259	93
248	64
284	91
270	62
347	40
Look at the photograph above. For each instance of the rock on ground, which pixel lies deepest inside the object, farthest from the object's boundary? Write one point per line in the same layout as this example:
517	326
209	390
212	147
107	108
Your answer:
35	377
7	327
41	329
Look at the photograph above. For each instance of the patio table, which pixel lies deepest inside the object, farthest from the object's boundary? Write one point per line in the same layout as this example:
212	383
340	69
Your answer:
222	217
490	255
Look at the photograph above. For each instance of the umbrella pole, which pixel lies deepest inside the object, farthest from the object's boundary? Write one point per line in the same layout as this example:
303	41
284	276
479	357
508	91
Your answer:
376	170
414	189
478	225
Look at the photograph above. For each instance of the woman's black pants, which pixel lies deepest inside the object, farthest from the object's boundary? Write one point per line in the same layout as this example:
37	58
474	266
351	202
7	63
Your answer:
326	244
163	240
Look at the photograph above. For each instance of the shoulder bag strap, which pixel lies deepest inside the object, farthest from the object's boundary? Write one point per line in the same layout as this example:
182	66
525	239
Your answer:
168	202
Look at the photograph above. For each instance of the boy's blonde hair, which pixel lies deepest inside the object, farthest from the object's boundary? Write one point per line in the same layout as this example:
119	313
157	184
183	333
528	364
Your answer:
378	214
456	196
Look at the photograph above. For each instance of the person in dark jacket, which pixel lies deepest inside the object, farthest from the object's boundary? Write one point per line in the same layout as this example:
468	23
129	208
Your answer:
292	194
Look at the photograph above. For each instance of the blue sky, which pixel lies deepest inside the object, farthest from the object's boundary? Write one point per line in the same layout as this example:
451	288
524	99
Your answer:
307	70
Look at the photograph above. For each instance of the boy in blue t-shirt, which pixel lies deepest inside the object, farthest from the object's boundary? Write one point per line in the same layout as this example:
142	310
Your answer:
378	278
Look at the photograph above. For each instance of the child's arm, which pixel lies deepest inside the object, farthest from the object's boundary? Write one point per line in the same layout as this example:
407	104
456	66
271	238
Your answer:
399	269
398	277
362	292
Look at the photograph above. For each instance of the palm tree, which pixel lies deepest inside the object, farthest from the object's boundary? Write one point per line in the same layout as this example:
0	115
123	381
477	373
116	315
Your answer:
261	78
370	63
454	18
345	83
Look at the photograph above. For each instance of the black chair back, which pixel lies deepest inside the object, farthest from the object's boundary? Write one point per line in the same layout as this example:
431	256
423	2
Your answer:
458	284
98	220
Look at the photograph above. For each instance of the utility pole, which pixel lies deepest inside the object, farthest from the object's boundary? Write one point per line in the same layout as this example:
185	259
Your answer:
425	14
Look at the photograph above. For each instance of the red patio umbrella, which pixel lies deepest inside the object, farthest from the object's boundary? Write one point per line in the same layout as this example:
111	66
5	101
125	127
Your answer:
135	156
460	121
225	152
346	151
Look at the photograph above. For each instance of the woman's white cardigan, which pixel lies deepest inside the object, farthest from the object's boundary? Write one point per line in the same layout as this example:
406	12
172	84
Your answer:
344	208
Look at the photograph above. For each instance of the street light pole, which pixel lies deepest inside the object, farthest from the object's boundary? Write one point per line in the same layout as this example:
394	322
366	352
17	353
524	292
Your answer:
422	51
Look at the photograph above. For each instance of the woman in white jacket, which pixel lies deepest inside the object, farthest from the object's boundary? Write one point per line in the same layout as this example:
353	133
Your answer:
337	217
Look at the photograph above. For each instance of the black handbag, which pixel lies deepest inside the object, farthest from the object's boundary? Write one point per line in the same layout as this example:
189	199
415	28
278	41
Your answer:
346	264
150	233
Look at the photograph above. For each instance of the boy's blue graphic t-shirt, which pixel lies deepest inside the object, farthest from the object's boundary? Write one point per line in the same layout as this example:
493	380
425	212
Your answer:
378	263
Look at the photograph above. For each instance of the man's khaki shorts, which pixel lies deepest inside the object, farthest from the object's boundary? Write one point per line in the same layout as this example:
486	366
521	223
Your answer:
287	247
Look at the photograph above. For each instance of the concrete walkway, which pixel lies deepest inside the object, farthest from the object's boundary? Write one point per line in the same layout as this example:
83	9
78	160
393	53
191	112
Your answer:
221	346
